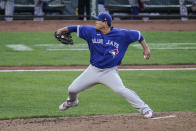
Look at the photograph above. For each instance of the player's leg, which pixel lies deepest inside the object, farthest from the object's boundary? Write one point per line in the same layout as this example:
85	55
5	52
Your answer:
113	81
88	11
84	81
38	10
9	10
81	8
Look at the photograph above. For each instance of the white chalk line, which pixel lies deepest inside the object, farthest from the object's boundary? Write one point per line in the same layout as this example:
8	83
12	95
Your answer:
84	46
164	117
42	70
158	69
19	47
72	49
82	69
169	46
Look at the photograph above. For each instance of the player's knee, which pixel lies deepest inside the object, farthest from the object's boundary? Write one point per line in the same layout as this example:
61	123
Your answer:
72	90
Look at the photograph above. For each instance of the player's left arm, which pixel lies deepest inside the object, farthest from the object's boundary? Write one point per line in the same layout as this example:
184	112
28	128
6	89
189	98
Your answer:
67	29
64	29
82	31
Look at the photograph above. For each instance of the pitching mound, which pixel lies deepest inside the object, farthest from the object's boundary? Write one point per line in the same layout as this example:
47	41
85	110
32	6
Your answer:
173	121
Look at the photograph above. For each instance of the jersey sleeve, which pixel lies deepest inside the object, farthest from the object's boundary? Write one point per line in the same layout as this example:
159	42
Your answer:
133	36
83	32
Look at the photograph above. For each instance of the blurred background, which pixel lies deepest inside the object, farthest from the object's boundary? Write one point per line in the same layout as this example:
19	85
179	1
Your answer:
39	10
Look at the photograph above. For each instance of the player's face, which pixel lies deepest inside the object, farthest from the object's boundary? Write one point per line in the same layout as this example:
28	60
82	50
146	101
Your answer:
100	24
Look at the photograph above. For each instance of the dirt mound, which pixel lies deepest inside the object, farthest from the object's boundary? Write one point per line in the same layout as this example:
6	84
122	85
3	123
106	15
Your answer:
173	121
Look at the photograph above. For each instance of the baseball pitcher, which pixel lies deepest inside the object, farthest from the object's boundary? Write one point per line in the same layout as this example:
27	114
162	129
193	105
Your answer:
107	47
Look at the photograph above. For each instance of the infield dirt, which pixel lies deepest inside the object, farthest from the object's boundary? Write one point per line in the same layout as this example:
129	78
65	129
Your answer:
121	122
53	25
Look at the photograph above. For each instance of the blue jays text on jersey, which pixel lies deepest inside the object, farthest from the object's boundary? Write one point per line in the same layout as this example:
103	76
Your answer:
97	41
109	42
106	50
112	43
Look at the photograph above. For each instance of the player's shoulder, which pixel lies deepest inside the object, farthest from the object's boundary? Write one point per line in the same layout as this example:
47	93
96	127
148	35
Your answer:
88	27
124	31
130	32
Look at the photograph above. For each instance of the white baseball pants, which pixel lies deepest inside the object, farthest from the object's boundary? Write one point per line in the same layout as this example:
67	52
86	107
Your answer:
109	77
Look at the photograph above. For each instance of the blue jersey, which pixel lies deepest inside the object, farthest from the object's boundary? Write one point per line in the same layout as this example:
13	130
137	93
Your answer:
107	50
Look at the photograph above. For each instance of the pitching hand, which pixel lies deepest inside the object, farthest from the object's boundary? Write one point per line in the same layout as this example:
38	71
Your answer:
146	53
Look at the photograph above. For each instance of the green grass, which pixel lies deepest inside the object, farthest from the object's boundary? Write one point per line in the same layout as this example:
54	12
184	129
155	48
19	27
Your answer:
48	51
38	94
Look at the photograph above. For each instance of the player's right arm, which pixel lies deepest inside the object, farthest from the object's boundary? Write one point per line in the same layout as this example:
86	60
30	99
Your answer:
146	50
134	35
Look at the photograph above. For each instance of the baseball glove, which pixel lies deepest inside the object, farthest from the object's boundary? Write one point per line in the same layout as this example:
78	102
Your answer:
64	38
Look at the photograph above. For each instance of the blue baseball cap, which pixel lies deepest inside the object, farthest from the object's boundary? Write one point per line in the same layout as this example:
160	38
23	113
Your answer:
104	17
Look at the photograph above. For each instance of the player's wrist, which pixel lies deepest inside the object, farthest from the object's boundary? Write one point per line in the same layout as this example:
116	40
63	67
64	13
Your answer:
59	31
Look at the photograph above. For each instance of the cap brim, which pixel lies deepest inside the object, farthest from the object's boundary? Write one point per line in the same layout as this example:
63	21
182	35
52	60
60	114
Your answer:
96	17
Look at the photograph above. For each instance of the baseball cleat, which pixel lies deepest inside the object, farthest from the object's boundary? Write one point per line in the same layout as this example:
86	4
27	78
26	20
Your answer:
66	105
148	114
